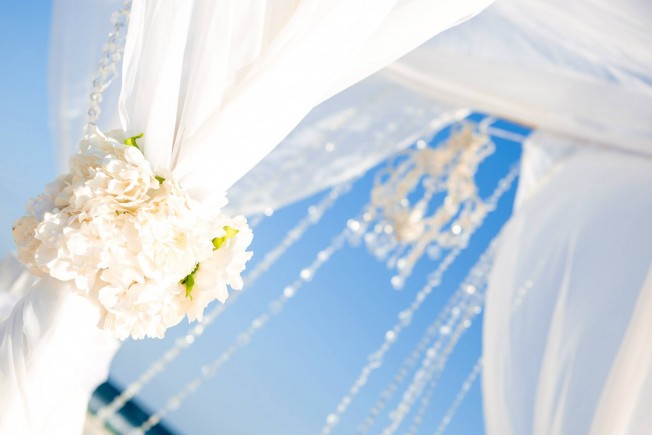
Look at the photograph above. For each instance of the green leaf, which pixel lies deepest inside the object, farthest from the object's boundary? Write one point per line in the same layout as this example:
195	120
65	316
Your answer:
160	179
219	241
189	282
131	141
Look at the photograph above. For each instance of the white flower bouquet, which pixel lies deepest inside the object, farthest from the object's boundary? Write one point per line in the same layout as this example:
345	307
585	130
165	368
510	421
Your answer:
129	238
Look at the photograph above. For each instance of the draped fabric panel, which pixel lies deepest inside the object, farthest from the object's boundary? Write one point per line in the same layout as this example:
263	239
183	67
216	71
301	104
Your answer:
579	68
52	357
245	75
567	322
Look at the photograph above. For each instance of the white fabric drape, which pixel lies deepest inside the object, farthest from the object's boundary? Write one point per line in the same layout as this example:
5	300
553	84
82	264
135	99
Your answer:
215	86
524	60
567	322
578	68
52	357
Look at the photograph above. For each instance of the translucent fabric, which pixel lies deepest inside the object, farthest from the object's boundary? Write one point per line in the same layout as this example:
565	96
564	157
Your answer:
567	323
578	68
52	357
215	86
527	61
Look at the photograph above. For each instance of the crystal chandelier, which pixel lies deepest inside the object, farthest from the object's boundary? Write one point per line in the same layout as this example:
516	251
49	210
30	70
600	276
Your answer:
425	201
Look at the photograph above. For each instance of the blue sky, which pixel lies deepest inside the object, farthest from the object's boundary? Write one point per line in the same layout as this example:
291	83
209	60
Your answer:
295	370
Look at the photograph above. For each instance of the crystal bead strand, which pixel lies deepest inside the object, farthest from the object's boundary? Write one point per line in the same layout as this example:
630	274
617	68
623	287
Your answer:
423	407
432	385
520	294
376	358
242	339
475	291
405	317
475	279
107	69
433	364
466	386
435	358
312	217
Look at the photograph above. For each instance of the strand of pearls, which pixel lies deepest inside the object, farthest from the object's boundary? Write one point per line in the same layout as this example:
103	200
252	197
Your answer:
210	369
107	69
375	359
466	386
312	217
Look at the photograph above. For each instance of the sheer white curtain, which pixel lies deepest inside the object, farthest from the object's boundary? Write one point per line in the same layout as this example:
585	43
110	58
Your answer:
568	317
214	86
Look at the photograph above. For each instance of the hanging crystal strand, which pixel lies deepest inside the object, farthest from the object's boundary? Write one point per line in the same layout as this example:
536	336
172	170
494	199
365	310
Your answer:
436	356
423	407
405	317
472	308
107	69
475	279
242	339
376	358
521	293
434	379
466	386
312	217
433	363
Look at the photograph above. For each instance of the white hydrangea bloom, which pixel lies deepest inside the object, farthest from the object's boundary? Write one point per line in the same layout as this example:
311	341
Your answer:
222	268
130	238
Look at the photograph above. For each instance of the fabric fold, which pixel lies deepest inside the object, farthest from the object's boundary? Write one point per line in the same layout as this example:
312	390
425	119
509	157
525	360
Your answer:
52	357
